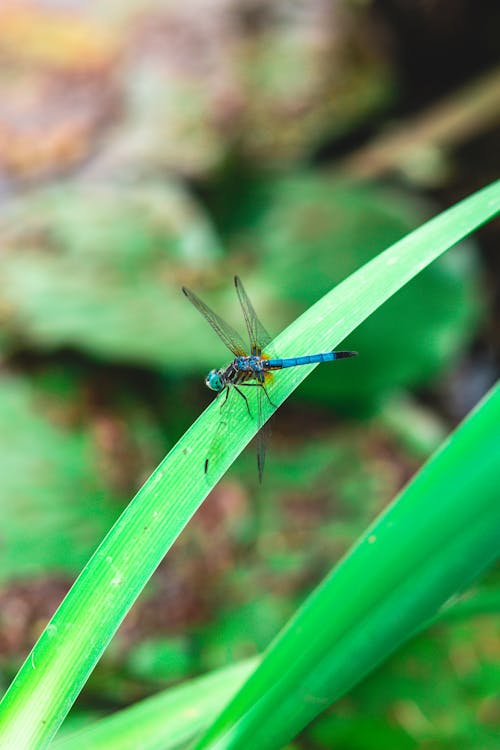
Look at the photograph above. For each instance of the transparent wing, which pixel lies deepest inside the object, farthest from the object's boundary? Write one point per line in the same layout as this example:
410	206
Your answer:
225	426
220	436
224	331
263	434
259	337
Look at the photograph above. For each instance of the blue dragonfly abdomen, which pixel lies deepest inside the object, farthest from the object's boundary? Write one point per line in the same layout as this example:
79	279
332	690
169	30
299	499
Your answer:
308	359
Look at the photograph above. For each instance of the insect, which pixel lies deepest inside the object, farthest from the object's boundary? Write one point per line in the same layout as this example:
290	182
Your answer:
251	366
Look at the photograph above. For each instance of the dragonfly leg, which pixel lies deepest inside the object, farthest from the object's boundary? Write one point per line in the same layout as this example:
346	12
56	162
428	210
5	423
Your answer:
222	422
259	385
244	398
267	395
224	401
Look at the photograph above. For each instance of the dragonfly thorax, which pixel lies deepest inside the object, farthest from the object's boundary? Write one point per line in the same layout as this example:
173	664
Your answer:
214	380
253	363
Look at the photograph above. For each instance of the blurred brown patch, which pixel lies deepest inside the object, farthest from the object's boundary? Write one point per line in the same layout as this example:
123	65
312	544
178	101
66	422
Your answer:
57	89
25	609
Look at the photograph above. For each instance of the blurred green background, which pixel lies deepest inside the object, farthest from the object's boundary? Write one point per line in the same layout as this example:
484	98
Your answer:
145	145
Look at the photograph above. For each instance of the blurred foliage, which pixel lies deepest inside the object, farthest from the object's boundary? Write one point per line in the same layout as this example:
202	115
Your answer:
57	88
190	83
99	267
63	462
162	659
55	503
411	702
126	99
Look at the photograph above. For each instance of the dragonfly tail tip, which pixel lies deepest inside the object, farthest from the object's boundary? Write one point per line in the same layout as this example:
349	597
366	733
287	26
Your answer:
344	355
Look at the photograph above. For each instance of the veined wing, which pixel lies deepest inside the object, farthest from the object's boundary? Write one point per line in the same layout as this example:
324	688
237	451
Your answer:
225	426
259	337
263	434
229	336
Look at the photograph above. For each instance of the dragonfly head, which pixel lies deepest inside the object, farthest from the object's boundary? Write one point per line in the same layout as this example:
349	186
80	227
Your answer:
214	380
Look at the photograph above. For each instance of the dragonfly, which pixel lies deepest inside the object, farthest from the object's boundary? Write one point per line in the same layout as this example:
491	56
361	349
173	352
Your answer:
252	365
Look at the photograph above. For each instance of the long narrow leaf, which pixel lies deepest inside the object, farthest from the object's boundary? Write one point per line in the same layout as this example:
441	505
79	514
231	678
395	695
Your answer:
166	721
68	649
441	532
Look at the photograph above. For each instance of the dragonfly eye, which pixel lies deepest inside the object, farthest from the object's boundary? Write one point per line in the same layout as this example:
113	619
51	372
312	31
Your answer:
214	381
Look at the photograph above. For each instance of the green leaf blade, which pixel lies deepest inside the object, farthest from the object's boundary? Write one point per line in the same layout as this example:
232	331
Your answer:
165	721
441	532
